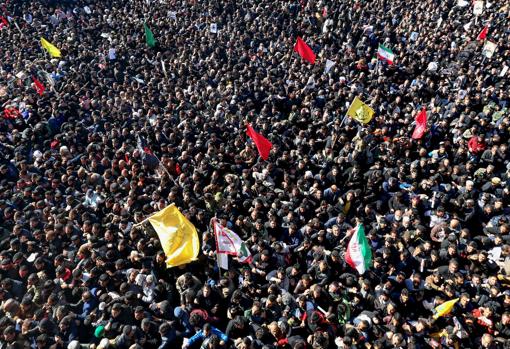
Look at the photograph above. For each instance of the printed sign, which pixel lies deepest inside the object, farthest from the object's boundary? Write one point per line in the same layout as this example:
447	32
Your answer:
478	7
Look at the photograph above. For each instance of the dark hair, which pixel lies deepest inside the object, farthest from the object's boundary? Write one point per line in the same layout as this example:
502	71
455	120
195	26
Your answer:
126	330
214	340
164	328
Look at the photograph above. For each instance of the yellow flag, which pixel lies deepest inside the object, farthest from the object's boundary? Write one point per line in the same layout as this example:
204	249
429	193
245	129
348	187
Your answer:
444	308
177	235
360	111
52	50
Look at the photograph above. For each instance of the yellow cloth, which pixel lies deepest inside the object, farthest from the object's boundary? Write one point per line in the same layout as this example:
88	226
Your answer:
445	308
360	111
52	50
347	206
178	236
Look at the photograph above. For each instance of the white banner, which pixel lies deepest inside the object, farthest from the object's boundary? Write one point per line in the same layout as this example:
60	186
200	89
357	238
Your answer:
329	64
478	7
489	48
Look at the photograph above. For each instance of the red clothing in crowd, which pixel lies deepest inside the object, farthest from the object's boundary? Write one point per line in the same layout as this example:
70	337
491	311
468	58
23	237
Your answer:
476	146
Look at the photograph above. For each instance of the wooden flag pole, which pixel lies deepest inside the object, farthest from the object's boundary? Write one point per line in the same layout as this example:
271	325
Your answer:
17	27
164	68
164	168
343	120
146	219
81	88
346	114
52	87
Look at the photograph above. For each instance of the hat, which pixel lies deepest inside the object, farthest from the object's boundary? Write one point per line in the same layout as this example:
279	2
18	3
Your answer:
99	331
496	180
6	261
74	345
104	344
179	312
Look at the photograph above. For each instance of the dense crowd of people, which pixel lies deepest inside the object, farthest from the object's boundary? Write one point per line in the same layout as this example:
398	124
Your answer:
76	271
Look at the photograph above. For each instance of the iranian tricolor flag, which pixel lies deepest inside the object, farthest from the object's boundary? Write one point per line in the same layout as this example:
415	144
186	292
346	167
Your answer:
385	54
229	243
359	253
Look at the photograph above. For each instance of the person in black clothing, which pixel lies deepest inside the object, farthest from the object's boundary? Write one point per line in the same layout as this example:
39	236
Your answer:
105	128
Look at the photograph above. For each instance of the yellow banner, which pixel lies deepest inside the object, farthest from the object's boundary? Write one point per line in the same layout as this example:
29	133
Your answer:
52	50
360	111
445	308
177	235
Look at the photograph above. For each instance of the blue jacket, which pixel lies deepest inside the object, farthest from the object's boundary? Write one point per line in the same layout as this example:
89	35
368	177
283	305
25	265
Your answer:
200	336
89	306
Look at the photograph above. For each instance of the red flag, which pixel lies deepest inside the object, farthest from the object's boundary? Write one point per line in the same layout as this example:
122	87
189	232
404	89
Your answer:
483	33
11	113
304	50
262	143
54	144
39	87
421	124
3	22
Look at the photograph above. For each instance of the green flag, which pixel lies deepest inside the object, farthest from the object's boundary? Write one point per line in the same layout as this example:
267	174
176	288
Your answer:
149	37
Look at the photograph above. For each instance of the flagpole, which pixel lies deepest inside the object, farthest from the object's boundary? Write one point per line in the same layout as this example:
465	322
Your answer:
217	249
146	219
164	69
343	120
82	87
335	137
212	221
290	58
44	71
346	114
164	168
17	27
52	87
483	59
